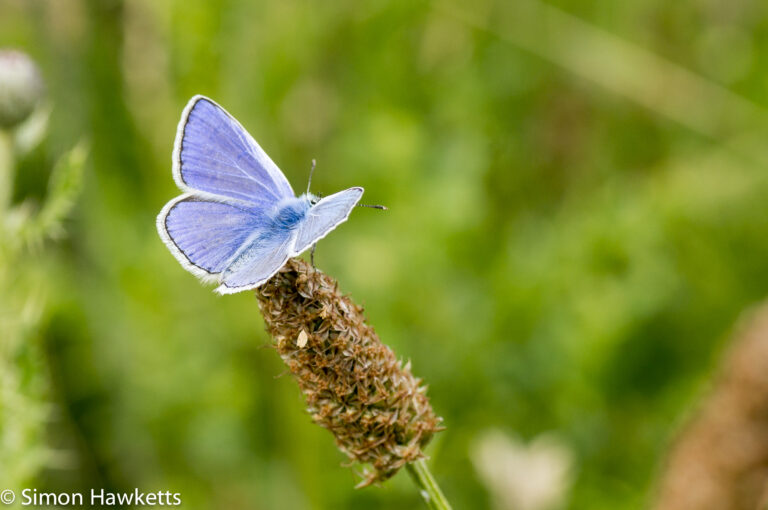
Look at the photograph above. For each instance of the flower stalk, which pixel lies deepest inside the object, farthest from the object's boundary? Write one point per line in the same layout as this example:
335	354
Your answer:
353	384
429	489
6	170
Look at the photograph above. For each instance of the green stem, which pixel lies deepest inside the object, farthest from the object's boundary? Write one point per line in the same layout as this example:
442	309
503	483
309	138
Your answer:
427	485
6	170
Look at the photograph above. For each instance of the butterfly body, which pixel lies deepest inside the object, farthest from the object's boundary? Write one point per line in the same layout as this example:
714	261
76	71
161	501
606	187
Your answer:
238	220
291	212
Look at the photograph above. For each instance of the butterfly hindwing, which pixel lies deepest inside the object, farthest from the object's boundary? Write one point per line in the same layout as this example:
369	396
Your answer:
205	235
259	258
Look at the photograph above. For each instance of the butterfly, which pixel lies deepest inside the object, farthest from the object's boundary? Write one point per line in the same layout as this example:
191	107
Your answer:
238	220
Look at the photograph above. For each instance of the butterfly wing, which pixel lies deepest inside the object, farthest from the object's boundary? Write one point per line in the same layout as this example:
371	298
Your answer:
215	155
260	258
325	216
205	235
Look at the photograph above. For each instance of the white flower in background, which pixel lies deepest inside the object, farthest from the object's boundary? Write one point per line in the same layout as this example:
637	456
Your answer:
520	476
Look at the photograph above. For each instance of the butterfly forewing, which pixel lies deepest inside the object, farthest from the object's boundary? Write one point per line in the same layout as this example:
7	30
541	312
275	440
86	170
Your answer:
214	154
324	216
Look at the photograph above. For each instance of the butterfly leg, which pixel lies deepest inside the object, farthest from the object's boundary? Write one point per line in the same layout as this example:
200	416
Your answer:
312	254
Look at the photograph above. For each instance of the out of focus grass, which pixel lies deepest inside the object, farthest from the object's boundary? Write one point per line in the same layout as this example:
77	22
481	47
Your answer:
577	214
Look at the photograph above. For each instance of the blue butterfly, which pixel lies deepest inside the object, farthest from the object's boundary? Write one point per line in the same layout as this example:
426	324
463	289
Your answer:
238	220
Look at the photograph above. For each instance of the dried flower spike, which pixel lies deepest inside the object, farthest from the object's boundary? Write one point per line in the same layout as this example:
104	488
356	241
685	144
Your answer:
354	385
720	460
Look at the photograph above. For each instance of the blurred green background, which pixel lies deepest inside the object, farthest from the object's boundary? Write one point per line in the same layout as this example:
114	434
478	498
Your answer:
577	194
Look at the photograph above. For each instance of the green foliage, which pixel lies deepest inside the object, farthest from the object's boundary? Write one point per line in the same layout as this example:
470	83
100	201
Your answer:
25	386
577	215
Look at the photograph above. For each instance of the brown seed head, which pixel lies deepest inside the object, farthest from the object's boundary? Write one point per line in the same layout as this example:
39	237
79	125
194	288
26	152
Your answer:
720	460
354	385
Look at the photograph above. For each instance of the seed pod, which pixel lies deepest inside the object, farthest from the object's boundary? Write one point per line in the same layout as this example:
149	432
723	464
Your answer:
353	384
21	88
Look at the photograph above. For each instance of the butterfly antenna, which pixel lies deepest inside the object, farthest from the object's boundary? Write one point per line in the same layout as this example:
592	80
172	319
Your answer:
311	171
380	207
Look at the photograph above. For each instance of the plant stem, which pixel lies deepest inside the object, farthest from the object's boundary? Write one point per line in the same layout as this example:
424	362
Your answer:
6	170
427	485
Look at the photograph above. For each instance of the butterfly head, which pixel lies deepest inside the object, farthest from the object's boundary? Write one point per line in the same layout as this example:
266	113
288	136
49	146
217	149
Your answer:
311	198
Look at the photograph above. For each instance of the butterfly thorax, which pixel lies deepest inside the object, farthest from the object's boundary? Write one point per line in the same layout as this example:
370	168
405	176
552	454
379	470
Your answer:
290	212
